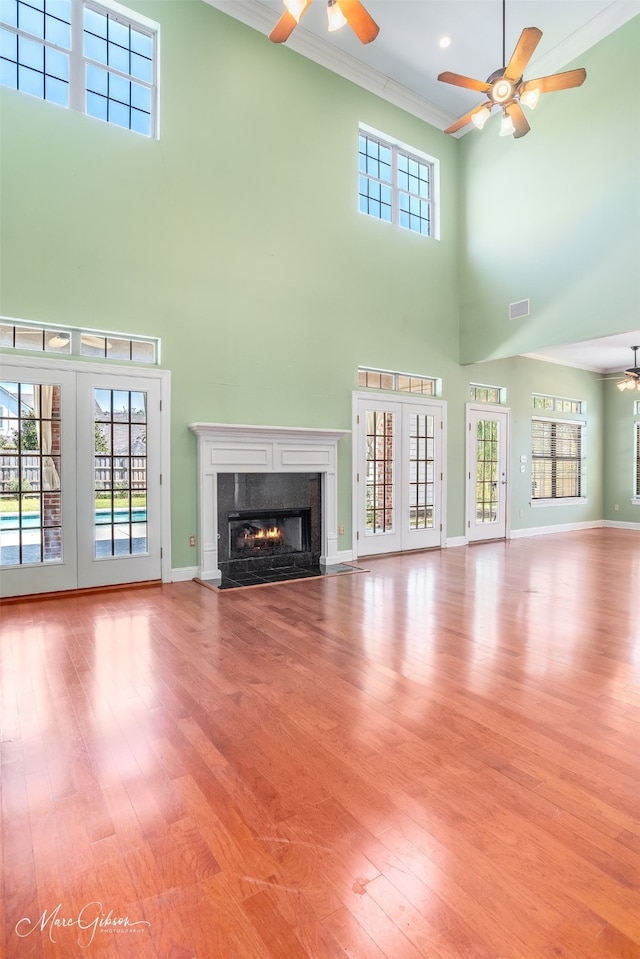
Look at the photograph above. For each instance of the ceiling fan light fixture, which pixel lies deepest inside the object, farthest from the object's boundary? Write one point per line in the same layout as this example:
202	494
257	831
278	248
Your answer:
530	98
502	90
296	8
631	379
506	125
480	117
335	16
58	341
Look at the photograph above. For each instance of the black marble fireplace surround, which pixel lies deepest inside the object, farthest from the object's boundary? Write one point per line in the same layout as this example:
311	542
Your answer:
269	526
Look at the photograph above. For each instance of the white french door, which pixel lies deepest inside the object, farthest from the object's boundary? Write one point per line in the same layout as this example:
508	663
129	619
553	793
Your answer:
487	473
399	457
80	486
118	480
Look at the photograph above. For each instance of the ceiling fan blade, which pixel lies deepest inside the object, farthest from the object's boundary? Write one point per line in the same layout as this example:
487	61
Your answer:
466	118
458	81
557	81
519	120
362	24
529	40
285	26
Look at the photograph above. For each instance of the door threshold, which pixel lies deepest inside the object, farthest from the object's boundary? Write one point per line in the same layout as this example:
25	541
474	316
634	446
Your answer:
84	591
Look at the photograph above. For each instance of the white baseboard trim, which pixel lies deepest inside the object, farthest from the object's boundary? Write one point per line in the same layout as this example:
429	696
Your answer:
344	556
184	573
614	524
455	541
560	528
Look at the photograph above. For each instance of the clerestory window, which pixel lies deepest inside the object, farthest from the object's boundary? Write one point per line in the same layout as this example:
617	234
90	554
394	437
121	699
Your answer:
396	183
99	59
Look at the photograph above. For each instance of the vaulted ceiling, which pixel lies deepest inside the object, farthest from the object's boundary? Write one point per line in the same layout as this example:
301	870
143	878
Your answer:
403	62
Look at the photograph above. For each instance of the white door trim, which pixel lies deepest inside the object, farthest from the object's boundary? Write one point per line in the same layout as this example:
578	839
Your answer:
470	463
394	399
16	362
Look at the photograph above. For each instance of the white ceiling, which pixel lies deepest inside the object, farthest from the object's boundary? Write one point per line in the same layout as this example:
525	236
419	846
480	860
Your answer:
403	62
607	354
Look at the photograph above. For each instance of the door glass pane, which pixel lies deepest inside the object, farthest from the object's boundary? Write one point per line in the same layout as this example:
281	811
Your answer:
120	473
487	473
379	478
421	470
30	498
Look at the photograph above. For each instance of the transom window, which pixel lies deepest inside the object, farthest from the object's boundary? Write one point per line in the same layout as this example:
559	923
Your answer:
557	404
396	183
557	451
70	341
400	382
486	394
98	59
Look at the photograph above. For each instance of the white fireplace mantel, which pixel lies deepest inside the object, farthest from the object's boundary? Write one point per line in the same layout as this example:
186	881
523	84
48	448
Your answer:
229	448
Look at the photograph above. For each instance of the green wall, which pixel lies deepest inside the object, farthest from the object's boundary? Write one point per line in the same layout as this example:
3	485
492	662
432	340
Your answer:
236	238
555	215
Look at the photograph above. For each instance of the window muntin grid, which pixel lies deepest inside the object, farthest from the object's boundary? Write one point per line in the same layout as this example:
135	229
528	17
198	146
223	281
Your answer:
555	404
421	470
556	459
379	480
120	470
71	341
487	471
35	41
119	65
394	185
102	63
399	382
485	394
414	192
375	180
30	497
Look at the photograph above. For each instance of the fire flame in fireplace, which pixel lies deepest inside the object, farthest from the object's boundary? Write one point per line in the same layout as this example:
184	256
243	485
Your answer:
273	533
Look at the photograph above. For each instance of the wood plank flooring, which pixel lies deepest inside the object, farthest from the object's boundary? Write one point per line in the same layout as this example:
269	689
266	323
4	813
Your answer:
438	757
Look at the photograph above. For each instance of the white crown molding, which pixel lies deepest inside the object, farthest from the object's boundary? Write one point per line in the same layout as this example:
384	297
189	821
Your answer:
614	16
560	361
254	15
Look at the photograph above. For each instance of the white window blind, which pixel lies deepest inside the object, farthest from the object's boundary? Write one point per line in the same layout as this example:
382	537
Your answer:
557	458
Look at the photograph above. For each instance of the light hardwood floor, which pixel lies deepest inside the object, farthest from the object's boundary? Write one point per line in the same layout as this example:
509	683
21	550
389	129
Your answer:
439	757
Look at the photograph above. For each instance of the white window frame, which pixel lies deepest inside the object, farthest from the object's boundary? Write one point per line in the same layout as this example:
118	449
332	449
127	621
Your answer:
499	390
80	341
398	147
565	500
396	376
78	62
556	401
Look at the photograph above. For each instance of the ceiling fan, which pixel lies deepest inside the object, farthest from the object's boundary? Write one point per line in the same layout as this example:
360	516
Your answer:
506	88
631	379
339	12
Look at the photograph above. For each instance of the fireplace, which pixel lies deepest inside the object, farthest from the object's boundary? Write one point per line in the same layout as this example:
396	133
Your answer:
272	533
268	520
266	471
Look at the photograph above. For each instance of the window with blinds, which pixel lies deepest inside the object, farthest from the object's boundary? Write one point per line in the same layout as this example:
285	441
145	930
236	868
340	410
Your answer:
556	459
637	486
